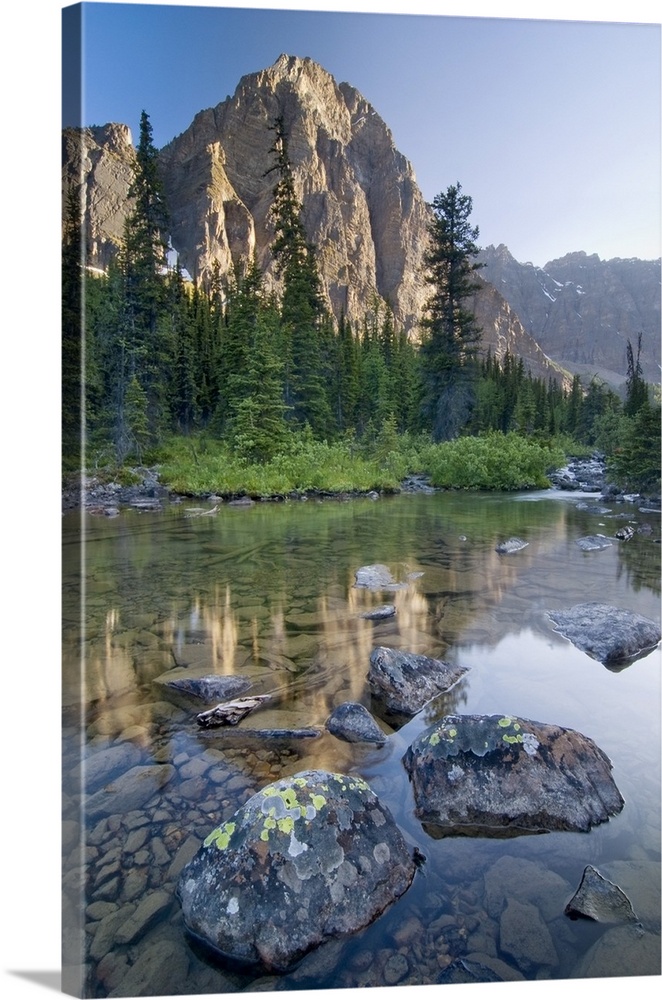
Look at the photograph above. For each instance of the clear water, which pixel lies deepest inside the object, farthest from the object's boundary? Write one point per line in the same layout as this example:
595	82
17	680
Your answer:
268	592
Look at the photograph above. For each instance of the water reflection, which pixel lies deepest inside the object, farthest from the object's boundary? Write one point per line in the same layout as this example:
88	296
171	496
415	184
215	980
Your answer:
269	593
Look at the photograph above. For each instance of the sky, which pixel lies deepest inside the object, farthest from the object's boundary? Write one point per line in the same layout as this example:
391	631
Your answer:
551	126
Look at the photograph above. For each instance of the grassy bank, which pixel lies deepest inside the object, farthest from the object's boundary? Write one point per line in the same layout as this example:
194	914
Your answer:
197	466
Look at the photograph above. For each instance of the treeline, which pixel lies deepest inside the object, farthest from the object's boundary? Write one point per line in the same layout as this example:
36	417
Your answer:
163	357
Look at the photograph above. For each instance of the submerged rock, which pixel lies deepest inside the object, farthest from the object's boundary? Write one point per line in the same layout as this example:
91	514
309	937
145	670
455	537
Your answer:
593	543
376	577
610	635
353	723
307	858
380	613
482	774
512	545
404	682
599	899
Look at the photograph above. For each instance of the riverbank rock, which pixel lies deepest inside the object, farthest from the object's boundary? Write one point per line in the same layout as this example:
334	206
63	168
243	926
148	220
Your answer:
353	723
599	899
482	774
307	858
608	634
403	682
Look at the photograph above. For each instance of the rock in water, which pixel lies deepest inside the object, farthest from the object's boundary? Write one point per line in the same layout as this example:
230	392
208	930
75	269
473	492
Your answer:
404	682
353	723
593	543
599	899
611	635
500	774
307	858
208	690
376	577
512	545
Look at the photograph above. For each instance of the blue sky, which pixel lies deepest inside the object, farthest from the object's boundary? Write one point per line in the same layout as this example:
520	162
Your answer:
552	127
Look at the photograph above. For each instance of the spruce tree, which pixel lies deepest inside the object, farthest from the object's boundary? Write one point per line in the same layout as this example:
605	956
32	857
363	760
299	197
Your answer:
302	308
72	330
450	333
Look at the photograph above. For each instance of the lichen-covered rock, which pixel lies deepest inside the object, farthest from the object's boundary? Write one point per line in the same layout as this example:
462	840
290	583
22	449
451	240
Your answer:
611	635
599	899
307	858
404	682
353	723
504	775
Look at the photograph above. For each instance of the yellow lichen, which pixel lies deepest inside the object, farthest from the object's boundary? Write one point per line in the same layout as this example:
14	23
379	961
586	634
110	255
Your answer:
221	836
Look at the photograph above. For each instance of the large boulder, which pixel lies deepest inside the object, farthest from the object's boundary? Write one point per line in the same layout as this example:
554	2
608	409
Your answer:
504	775
611	635
307	858
402	683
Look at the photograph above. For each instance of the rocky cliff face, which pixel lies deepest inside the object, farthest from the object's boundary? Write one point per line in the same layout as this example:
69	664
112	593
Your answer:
361	205
362	209
582	310
99	162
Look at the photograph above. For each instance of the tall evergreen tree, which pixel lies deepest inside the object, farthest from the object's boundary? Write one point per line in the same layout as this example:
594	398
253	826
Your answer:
72	329
635	385
302	307
450	332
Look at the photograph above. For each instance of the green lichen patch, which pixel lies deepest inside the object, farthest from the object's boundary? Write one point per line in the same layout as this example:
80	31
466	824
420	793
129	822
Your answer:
220	837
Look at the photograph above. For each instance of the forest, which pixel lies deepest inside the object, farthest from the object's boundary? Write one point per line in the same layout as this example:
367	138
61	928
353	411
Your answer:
232	389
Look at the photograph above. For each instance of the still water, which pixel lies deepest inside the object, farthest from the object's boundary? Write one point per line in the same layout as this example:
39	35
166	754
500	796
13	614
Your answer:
268	592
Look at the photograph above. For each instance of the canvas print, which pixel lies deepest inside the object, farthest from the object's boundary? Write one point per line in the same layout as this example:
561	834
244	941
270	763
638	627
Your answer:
361	500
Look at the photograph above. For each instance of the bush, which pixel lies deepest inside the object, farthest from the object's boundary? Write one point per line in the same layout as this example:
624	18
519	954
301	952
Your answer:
495	461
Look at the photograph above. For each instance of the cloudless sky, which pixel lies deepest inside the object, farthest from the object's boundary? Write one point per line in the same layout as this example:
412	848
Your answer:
552	127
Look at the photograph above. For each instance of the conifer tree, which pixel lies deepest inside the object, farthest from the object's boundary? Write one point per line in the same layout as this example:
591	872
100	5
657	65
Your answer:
72	328
450	332
302	308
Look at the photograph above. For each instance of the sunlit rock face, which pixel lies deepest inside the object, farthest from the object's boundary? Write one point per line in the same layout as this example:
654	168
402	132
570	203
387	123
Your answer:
504	775
361	205
98	167
307	858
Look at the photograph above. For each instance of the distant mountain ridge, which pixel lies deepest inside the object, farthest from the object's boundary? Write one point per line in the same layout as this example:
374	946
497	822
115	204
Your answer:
362	208
582	310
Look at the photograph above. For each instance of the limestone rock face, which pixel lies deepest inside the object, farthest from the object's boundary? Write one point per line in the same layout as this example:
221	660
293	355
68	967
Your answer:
361	205
486	773
304	860
100	161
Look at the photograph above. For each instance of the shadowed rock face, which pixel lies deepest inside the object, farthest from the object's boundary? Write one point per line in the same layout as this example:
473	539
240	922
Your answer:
611	635
306	858
503	775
